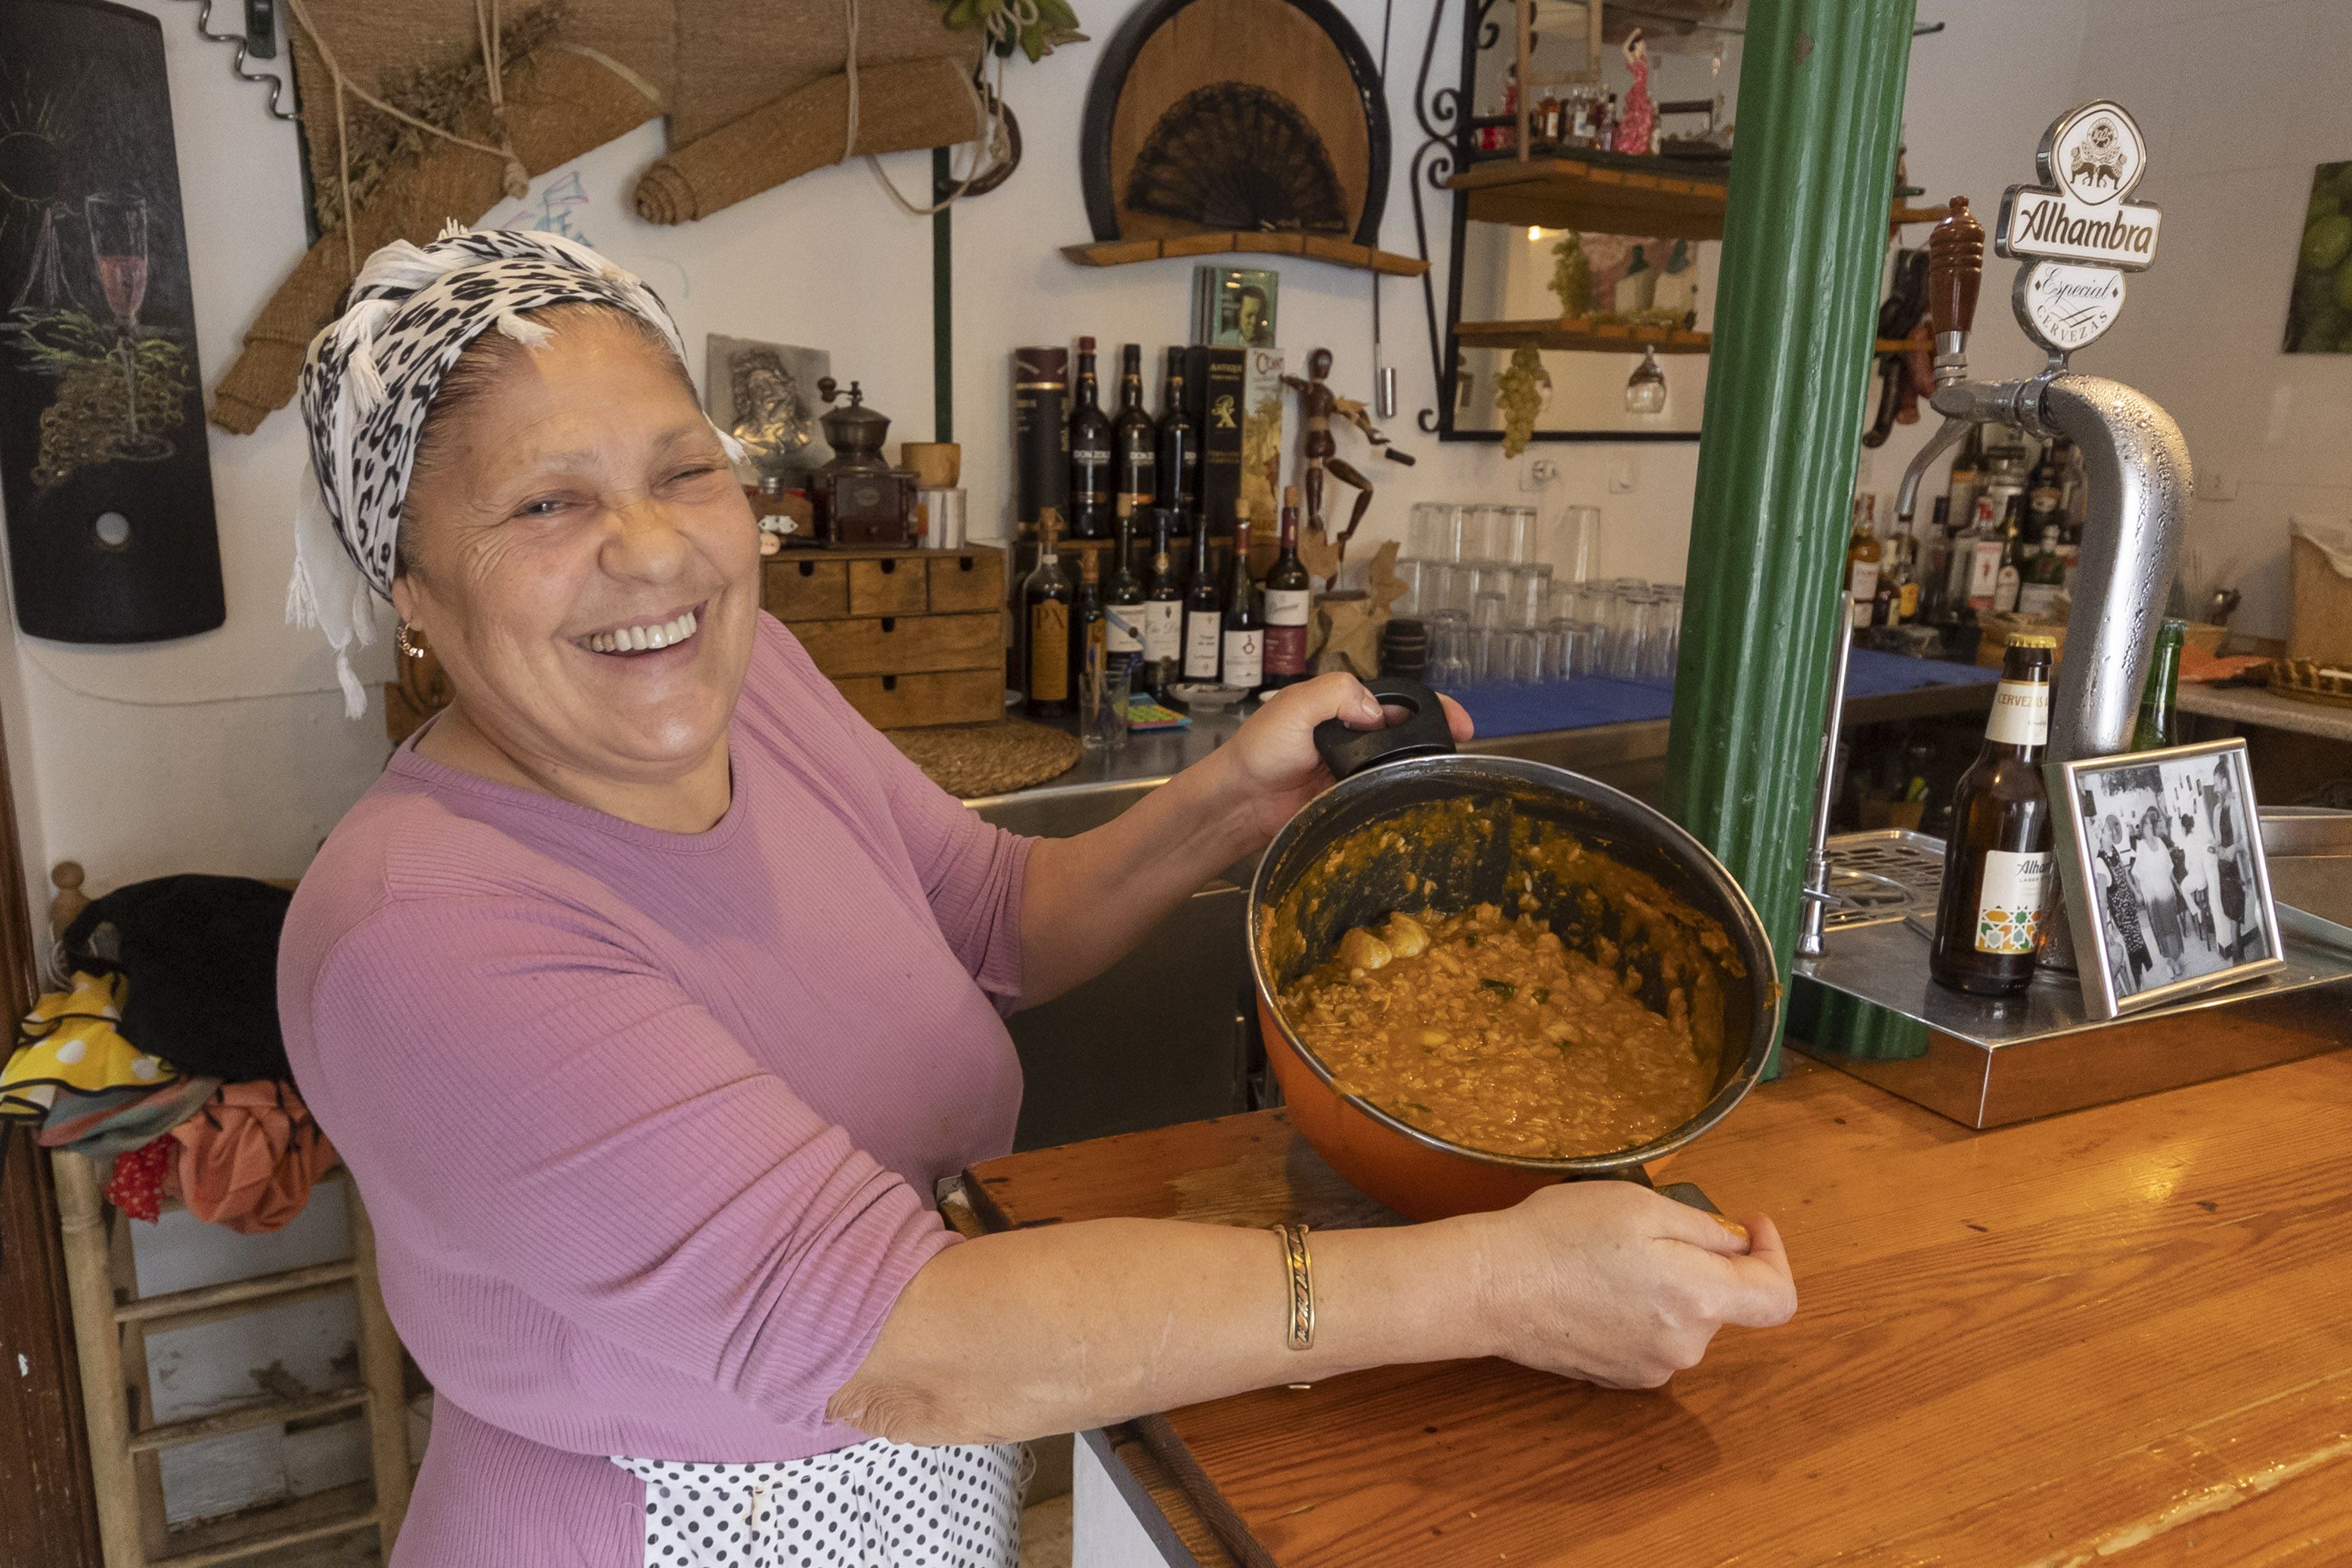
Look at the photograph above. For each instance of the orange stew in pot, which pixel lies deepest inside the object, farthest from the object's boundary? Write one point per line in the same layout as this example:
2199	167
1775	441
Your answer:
1487	1031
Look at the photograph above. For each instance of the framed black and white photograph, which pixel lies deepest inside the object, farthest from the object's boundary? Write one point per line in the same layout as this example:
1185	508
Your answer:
2167	889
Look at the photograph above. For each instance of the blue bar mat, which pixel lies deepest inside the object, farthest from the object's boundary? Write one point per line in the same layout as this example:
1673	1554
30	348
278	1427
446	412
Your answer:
1500	709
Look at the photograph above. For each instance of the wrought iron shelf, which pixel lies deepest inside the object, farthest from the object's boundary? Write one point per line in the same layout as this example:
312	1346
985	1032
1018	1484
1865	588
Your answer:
1582	334
1313	246
1574	187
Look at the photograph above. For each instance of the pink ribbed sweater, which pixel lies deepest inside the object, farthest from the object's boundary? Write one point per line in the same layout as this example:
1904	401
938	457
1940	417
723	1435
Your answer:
648	1122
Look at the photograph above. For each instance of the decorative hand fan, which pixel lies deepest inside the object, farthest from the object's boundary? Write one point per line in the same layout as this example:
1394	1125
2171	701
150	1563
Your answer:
1255	115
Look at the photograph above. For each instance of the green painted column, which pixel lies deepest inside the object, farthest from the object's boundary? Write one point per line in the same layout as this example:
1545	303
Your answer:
1821	105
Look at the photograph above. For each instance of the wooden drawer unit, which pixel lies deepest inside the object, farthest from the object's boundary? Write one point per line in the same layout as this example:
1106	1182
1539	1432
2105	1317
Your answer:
910	702
905	644
910	636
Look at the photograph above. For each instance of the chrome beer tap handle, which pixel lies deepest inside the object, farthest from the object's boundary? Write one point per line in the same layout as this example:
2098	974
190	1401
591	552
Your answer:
1816	895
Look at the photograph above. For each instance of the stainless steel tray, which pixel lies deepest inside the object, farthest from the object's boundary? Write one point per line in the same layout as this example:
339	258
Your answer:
1867	1006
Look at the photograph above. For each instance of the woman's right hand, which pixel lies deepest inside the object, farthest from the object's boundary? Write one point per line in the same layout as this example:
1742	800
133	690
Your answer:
1609	1282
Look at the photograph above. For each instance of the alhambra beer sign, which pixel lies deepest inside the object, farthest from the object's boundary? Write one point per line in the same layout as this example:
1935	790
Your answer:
2089	162
2078	232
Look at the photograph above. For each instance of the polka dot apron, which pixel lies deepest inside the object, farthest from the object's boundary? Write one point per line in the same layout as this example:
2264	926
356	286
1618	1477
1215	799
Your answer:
876	1505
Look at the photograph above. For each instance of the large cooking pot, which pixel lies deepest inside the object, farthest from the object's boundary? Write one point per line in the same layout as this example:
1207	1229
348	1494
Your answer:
1407	805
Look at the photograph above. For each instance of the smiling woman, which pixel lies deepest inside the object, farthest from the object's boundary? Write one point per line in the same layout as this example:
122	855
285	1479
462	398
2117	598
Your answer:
650	990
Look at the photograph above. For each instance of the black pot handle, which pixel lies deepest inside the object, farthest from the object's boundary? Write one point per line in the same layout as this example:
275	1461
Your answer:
1425	733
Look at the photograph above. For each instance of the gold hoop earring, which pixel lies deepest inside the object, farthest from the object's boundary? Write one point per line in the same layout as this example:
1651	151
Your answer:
407	642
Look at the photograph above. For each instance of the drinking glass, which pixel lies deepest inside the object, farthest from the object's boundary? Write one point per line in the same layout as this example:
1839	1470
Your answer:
1490	609
1665	642
1482	528
1419	578
1571	541
1515	530
1520	656
1449	663
1628	630
1102	703
1560	650
1428	531
1530	593
1456	586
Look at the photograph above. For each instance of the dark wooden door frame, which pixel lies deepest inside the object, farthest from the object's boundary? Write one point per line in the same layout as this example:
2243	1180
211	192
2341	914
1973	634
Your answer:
48	1516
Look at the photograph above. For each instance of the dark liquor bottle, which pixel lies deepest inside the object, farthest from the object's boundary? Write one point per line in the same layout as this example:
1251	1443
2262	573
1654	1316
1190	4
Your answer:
1090	464
1089	638
1046	625
1134	439
2159	704
1936	567
1966	465
1164	614
1123	598
2008	577
1041	434
1203	610
1287	595
1244	623
2045	489
1179	445
1999	871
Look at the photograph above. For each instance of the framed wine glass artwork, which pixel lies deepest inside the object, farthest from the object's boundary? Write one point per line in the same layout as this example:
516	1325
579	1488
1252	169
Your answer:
104	467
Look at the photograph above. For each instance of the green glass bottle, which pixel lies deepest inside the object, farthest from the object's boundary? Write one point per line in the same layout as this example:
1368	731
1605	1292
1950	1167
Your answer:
2159	702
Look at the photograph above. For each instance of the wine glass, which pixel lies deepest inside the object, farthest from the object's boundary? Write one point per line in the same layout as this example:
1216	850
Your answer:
118	240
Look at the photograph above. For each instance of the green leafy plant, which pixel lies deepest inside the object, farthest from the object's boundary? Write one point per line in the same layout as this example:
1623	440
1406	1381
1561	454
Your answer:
1037	27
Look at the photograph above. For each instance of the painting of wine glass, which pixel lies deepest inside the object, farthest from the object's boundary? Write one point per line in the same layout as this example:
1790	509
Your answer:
104	469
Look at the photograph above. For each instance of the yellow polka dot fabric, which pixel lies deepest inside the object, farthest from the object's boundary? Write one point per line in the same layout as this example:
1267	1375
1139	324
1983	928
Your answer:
70	1042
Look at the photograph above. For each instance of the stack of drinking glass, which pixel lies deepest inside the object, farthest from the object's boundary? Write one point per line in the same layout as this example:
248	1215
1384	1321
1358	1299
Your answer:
1507	598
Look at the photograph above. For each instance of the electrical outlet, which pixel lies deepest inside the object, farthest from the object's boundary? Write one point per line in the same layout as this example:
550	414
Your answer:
2217	484
1539	472
1624	474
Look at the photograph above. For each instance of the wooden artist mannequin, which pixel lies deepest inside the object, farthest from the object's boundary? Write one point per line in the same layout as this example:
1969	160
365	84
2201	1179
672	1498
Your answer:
1319	452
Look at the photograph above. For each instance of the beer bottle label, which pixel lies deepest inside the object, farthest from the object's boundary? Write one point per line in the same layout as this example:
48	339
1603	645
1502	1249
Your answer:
1049	652
2014	897
1123	627
1201	631
2021	713
1245	660
1163	633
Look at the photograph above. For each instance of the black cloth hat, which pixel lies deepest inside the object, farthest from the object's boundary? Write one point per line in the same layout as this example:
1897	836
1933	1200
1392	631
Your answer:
200	954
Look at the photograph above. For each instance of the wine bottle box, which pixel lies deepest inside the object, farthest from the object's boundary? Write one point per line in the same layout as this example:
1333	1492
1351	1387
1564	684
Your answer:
1216	383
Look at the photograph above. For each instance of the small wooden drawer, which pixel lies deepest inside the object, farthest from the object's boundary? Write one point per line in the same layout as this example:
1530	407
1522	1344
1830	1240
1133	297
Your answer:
967	580
805	588
893	585
905	644
911	701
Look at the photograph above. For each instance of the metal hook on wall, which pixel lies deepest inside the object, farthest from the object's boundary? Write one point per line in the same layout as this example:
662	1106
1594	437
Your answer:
257	42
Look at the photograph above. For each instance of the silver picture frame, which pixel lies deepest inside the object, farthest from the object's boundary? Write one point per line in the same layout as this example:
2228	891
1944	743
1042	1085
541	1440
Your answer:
2115	840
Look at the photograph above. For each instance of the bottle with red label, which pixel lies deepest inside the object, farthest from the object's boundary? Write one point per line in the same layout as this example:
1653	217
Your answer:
1287	597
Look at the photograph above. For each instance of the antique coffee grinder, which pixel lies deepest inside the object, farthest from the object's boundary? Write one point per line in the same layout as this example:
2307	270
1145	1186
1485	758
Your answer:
860	500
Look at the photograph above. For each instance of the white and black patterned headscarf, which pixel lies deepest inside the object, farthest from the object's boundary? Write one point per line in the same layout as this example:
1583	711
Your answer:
371	375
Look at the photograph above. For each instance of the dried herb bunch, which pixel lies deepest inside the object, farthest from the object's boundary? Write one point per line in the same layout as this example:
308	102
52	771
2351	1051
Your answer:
445	96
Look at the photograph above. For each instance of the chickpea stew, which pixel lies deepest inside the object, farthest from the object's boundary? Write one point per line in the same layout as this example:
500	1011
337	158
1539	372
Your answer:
1487	1030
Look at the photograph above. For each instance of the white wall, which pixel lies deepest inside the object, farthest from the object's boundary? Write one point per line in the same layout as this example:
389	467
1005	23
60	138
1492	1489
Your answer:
229	752
2240	101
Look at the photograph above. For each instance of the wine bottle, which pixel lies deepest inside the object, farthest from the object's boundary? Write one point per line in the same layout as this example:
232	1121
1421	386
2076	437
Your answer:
1984	555
1164	614
2009	577
2045	576
1045	624
1999	872
1180	444
1090	464
1203	610
1123	597
1134	439
1861	560
2159	703
1089	637
1243	622
1287	595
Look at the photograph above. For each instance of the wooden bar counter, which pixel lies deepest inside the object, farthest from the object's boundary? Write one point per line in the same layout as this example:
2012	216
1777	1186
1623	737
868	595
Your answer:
2122	1336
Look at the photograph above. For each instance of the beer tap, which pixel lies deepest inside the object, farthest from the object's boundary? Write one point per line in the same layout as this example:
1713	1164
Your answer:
2076	235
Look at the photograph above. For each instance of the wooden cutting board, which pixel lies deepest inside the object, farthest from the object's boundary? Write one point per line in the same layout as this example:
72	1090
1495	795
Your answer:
2122	1336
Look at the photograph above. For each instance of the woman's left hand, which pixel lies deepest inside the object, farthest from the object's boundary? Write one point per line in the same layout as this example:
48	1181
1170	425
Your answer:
1273	766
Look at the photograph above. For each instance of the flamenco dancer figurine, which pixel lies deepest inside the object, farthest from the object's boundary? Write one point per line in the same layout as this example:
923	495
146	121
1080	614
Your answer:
1637	128
1318	453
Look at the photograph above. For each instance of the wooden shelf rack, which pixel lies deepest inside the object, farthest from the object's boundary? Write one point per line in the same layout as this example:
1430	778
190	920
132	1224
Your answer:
1582	334
1237	242
1571	187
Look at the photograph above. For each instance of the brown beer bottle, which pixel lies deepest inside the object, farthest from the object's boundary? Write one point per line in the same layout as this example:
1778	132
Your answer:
1999	874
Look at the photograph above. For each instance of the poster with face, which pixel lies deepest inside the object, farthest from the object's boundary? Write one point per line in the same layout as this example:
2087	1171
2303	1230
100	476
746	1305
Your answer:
103	463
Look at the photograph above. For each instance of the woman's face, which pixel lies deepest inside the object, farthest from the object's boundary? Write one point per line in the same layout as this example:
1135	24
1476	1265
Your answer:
576	504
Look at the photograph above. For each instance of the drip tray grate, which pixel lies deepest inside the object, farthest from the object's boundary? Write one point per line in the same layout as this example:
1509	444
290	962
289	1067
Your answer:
1884	876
